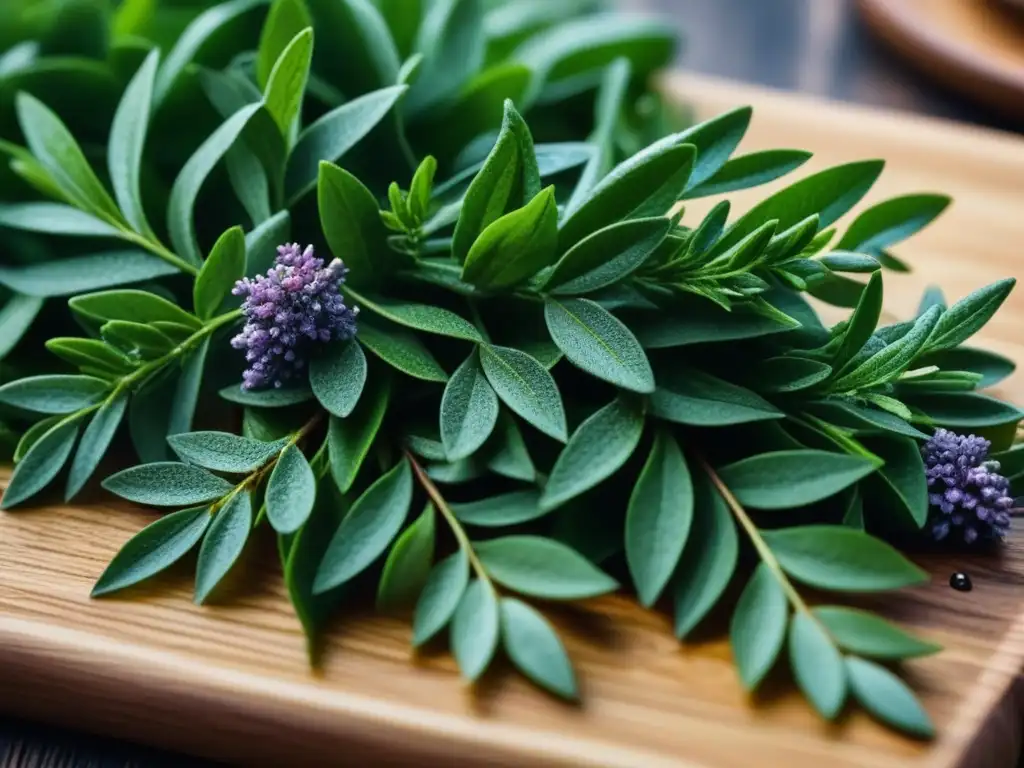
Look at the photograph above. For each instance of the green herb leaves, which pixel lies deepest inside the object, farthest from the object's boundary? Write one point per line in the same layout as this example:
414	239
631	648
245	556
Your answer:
787	479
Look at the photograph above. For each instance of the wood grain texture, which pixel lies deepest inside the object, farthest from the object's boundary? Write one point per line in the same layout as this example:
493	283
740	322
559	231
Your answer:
231	682
975	46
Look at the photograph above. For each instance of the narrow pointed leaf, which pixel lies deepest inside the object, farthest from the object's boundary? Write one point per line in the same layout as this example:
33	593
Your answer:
223	544
817	666
291	491
535	648
758	627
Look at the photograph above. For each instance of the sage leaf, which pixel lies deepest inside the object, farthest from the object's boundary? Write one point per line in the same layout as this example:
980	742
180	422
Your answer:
223	544
287	84
817	665
544	568
689	396
127	140
508	179
334	134
54	219
893	359
192	176
167	484
498	511
795	478
703	325
349	440
992	367
887	697
81	274
222	269
758	627
53	393
16	315
440	597
535	648
647	184
408	565
891	222
351	223
867	634
967	410
222	451
57	151
420	317
607	256
453	44
285	20
862	323
469	410
841	559
368	529
337	377
40	464
291	491
509	456
863	419
747	171
153	549
903	475
266	398
91	353
596	341
132	305
400	349
658	518
597	449
843	261
708	559
146	341
186	393
789	374
526	387
516	246
968	316
94	444
828	194
475	629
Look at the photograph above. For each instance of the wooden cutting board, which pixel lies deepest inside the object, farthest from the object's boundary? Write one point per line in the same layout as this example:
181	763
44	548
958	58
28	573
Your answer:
231	682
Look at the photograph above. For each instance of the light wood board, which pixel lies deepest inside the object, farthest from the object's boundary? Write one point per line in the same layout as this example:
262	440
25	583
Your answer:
231	682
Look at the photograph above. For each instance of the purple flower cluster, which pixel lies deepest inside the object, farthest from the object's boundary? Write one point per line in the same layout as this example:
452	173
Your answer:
966	491
288	310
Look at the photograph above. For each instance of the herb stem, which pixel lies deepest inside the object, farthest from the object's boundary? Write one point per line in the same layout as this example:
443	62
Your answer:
158	249
453	521
763	550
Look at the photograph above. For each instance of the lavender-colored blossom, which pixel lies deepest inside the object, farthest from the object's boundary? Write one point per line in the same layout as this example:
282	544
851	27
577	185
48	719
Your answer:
966	492
295	306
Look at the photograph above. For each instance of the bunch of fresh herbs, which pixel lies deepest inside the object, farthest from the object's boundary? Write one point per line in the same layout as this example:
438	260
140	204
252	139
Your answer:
559	385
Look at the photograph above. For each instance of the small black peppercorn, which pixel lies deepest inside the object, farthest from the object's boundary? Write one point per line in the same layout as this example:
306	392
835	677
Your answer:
961	582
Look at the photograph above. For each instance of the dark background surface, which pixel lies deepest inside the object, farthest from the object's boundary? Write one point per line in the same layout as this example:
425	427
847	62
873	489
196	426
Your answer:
811	46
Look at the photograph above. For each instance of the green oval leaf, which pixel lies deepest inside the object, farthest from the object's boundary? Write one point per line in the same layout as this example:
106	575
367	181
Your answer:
153	549
469	410
539	567
690	396
40	464
817	666
789	479
747	171
420	317
287	83
440	597
223	544
888	698
349	440
535	648
526	387
95	441
266	398
334	134
969	315
475	628
408	565
128	139
351	224
167	484
291	492
841	559
131	305
866	634
903	476
400	349
606	256
285	19
16	316
222	451
337	377
596	341
368	529
658	518
498	511
53	393
708	560
758	627
67	277
222	269
891	222
54	219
